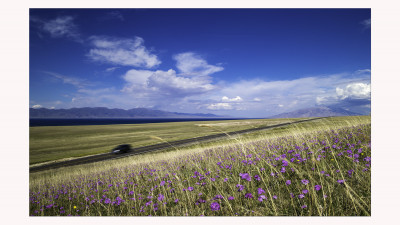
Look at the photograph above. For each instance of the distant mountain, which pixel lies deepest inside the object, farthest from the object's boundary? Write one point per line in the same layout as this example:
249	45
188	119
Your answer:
322	111
102	112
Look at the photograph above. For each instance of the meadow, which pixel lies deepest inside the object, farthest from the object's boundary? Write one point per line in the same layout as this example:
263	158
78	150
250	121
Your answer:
312	169
54	143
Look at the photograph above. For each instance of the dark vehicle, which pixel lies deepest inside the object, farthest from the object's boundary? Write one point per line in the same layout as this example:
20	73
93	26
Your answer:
120	149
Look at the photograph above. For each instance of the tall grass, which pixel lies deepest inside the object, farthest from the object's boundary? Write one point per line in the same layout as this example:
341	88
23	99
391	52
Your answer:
321	171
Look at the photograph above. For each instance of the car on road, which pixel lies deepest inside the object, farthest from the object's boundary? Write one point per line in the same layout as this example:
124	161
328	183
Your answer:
120	149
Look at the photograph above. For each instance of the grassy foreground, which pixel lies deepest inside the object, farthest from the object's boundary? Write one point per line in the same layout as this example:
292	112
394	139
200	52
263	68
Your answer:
323	171
61	142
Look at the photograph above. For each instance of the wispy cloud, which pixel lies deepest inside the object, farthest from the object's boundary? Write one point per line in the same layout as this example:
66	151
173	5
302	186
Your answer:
115	15
60	27
366	23
77	82
124	52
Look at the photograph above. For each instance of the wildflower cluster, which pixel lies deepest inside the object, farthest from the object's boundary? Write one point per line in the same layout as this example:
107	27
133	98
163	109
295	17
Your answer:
308	175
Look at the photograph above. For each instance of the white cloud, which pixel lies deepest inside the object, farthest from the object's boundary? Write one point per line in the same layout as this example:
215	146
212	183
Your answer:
190	64
37	106
256	99
168	83
136	81
220	106
125	52
236	99
354	91
59	27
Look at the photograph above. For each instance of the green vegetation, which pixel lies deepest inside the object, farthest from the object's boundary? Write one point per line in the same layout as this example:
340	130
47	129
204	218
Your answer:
319	168
61	142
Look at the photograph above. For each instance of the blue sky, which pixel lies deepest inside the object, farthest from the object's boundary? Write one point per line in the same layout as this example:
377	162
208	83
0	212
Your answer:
237	62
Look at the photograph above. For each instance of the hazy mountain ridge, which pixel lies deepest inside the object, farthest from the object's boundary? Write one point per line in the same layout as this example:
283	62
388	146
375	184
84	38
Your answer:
322	111
103	112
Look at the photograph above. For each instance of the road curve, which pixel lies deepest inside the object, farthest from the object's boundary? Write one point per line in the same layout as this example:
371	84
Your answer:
155	147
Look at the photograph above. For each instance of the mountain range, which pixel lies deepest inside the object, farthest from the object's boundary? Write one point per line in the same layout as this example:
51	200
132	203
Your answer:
322	111
103	112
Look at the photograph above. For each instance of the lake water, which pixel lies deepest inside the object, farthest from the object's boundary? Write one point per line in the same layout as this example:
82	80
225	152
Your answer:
74	122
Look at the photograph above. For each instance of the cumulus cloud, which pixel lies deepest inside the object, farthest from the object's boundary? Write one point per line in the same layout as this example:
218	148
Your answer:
189	64
354	91
37	106
124	52
62	26
236	99
147	83
220	106
168	83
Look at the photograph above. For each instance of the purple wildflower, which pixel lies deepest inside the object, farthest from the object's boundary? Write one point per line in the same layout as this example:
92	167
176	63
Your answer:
245	176
231	198
215	206
176	200
261	198
305	191
275	197
317	187
218	197
257	177
248	195
304	206
288	182
260	191
190	188
305	182
341	181
241	187
160	197
301	196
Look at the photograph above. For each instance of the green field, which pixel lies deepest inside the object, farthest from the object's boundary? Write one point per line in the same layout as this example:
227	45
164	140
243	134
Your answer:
62	142
315	168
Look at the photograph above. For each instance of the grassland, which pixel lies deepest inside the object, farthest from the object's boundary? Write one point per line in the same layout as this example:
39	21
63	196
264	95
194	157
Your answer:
319	168
63	142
